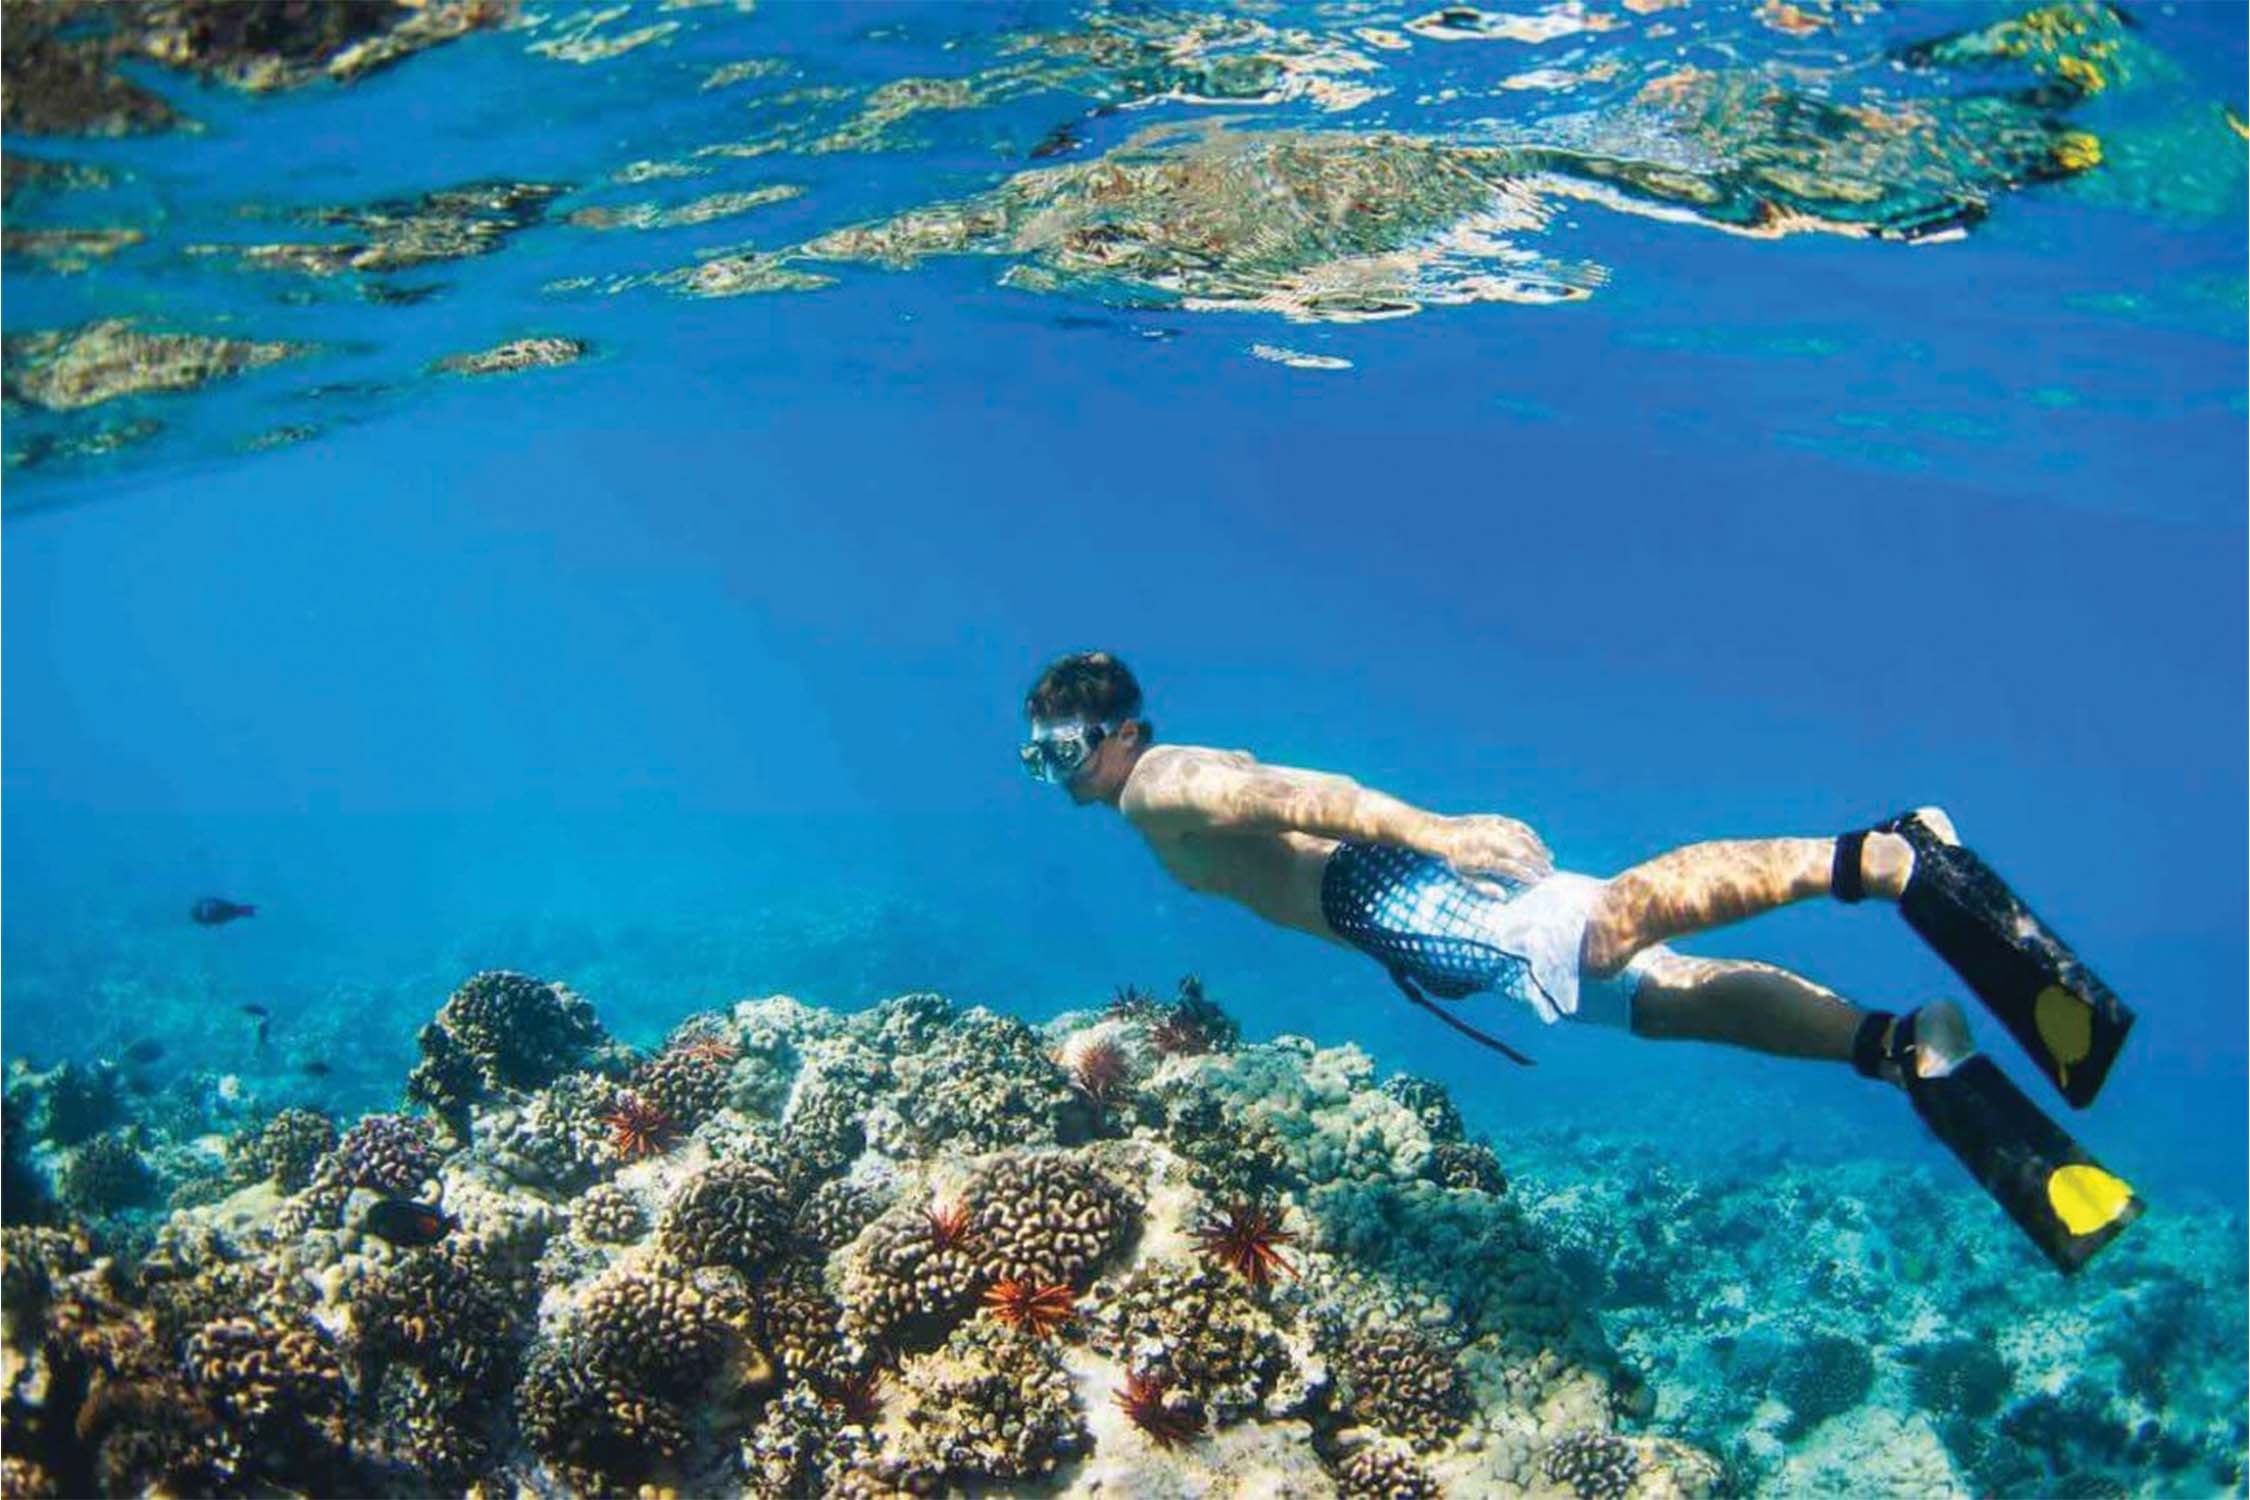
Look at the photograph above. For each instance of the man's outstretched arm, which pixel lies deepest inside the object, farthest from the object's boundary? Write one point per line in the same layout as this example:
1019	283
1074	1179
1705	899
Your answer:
1224	794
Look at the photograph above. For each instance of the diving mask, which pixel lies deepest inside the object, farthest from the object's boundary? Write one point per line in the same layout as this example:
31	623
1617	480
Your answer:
1058	748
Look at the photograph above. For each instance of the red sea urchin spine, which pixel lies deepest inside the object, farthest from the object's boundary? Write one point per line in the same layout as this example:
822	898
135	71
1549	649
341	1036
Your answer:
1248	1238
638	1128
949	1224
1142	1399
1100	1071
1038	1310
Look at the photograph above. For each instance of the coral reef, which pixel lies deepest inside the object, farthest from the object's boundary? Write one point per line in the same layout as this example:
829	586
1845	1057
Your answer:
104	1175
732	1213
501	1032
806	1288
284	1150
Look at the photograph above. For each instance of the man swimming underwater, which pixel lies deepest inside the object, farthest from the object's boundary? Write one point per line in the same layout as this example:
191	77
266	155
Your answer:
1453	905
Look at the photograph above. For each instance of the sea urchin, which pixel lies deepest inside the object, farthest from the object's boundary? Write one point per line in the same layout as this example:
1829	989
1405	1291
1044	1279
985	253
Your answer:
637	1128
1100	1071
1248	1238
949	1224
1142	1399
1037	1310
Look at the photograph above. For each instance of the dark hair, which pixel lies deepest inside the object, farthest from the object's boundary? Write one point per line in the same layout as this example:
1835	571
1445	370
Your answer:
1091	685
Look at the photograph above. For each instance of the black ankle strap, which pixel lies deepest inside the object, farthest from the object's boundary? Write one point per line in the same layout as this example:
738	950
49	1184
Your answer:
1868	1052
1843	875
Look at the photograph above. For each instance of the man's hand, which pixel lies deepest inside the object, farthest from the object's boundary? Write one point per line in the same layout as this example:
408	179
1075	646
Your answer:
1482	846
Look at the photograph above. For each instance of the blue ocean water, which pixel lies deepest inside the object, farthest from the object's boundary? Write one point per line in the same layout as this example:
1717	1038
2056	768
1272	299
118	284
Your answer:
692	669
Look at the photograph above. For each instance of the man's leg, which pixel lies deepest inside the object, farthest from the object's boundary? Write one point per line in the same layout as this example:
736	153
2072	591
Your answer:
1743	1004
1701	886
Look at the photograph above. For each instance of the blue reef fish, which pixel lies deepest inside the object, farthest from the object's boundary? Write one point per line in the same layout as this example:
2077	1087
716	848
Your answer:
315	1068
146	1050
217	911
407	1223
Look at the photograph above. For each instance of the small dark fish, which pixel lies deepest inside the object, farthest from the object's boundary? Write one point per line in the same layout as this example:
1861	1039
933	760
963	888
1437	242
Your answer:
316	1068
254	1010
405	1222
146	1050
1058	140
140	1083
216	911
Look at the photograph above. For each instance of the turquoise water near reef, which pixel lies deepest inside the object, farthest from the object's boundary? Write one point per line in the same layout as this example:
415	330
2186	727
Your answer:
691	669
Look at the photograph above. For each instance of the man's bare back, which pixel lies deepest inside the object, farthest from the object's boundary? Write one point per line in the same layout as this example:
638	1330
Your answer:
1276	874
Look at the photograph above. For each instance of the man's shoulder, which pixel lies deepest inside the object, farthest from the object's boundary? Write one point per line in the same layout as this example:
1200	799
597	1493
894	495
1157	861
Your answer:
1164	780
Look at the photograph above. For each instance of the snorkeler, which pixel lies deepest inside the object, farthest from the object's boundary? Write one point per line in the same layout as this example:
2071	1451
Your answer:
1454	905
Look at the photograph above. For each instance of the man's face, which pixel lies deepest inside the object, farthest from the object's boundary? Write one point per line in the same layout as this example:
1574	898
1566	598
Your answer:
1102	778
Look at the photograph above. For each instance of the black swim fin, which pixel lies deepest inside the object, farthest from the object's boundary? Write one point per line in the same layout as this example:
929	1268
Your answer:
2057	1194
2065	1017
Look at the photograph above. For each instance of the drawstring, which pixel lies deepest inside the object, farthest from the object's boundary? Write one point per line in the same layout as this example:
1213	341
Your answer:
1406	987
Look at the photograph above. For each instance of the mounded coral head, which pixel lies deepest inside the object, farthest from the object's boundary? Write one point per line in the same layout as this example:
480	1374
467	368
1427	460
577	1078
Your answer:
1403	1382
1046	1218
983	1083
283	1150
77	1103
391	1154
452	1310
1385	1471
660	1330
1199	1328
601	1427
834	1214
732	1213
1822	1377
912	1276
272	1373
609	1215
1593	1465
501	1030
1959	1377
1430	1104
995	1405
690	1078
106	1174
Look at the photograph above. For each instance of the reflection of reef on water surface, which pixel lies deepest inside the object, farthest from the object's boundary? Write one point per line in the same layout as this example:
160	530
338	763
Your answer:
60	56
1320	165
